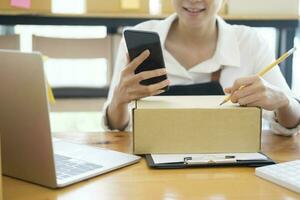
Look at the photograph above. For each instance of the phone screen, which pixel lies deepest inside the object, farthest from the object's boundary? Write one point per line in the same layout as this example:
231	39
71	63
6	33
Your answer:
139	41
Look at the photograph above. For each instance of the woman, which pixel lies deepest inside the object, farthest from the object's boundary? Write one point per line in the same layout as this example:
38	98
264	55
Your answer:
203	54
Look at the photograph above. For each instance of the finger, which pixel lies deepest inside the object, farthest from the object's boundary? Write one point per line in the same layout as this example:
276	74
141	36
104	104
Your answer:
131	67
243	82
246	91
158	92
138	94
152	94
159	85
149	74
255	104
227	90
250	99
151	89
141	91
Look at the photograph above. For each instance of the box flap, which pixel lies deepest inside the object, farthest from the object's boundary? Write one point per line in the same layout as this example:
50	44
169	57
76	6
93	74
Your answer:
171	102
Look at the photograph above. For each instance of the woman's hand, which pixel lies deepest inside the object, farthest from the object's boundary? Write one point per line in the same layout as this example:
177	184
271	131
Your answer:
129	87
257	92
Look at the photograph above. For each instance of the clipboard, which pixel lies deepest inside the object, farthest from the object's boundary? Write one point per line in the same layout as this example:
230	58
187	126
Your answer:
189	162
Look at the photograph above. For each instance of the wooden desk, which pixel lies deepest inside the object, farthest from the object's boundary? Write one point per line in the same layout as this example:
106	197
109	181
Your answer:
140	182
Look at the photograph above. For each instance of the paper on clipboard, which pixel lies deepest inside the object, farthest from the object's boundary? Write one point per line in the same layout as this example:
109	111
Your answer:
175	158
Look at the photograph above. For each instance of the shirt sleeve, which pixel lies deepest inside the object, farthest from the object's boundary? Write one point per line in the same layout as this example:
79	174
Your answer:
120	64
276	127
264	56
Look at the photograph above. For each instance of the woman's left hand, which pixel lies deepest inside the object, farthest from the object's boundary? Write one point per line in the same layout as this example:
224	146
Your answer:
257	92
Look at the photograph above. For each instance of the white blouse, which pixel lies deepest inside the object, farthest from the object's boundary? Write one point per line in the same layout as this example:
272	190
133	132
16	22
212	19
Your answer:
240	50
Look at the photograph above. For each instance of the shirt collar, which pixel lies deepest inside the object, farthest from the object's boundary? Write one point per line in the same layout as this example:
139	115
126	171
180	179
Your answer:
165	27
227	51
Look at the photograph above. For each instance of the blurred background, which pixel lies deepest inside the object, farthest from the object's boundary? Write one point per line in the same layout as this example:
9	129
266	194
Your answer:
80	39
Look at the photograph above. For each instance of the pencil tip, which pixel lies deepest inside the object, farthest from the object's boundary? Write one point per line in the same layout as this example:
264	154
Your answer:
222	103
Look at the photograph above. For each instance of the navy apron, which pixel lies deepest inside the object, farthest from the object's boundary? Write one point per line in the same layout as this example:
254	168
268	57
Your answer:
210	88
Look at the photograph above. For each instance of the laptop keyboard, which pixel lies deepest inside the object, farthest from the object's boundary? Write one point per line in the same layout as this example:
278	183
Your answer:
67	167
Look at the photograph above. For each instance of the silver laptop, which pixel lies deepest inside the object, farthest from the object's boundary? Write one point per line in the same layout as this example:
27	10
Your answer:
28	152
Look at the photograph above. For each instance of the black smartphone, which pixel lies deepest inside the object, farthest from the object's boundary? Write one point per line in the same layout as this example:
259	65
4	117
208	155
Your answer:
139	41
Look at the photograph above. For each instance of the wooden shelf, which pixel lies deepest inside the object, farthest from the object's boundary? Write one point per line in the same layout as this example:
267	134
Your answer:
145	16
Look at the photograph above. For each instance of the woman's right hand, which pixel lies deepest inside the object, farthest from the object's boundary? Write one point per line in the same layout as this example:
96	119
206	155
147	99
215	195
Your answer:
129	87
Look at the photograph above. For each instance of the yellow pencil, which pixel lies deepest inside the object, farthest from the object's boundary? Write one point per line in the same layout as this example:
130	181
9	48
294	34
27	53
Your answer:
266	69
49	89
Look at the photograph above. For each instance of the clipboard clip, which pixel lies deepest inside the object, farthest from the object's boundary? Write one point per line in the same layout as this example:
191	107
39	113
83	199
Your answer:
207	160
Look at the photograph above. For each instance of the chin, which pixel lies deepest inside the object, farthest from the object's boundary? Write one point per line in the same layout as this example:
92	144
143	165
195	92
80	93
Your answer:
194	19
194	22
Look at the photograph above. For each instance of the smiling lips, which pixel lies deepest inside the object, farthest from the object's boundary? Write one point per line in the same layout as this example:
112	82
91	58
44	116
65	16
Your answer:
194	11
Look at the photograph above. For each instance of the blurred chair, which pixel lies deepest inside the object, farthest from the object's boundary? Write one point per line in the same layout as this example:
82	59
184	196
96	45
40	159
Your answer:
10	42
73	48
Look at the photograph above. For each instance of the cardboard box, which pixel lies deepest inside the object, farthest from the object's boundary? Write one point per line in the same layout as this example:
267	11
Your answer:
117	6
264	8
37	6
194	124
